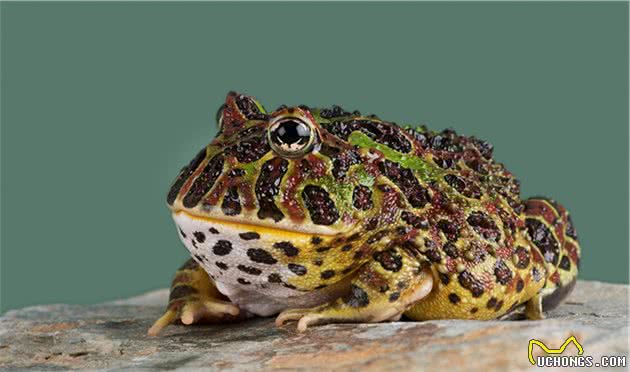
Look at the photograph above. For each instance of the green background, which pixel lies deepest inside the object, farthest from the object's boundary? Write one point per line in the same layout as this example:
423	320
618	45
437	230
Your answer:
103	103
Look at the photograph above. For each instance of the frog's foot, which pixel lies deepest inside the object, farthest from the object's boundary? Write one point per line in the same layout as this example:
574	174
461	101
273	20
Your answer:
382	291
194	299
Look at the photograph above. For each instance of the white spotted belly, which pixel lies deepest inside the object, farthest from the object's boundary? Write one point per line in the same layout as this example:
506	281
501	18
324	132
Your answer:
243	264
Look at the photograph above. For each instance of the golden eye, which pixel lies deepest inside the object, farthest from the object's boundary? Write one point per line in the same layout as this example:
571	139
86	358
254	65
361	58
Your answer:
291	136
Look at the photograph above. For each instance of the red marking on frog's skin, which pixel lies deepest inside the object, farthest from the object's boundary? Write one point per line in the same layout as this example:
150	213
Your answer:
504	252
186	187
247	195
555	277
347	218
451	265
316	168
295	211
222	184
488	280
218	190
491	207
572	250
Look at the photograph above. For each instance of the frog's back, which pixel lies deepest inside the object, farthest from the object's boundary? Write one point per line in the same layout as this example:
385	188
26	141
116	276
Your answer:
490	250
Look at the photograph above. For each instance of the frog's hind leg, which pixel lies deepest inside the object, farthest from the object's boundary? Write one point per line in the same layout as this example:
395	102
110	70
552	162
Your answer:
194	299
552	233
383	289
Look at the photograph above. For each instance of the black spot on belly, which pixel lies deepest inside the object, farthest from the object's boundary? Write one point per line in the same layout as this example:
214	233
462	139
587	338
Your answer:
184	173
406	181
243	281
261	256
221	265
390	260
357	297
297	269
274	278
201	237
182	233
453	298
316	240
213	230
502	272
327	274
222	248
204	181
268	186
362	198
320	207
231	205
468	281
249	235
543	239
565	263
288	248
249	270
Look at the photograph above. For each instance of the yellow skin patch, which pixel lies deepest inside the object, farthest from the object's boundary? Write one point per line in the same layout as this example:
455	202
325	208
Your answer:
350	218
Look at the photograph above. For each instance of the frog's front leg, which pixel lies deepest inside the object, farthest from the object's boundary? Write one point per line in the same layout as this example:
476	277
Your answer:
194	299
383	289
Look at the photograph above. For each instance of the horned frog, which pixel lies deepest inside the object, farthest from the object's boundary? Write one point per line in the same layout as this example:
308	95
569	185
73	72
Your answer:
323	215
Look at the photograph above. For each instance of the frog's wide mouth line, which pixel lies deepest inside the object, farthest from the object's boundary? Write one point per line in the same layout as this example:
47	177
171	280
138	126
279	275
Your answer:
250	227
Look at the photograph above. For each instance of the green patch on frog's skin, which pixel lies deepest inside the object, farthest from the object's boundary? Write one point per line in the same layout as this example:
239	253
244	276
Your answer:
425	171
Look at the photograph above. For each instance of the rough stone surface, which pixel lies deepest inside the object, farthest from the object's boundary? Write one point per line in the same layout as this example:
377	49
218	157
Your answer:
112	336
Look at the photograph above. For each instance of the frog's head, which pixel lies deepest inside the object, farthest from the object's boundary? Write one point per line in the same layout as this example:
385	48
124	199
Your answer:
296	170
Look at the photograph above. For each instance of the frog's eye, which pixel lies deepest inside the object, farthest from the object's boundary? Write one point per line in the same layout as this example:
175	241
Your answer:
291	136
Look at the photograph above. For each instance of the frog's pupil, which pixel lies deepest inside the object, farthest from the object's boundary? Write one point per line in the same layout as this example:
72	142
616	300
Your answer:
291	132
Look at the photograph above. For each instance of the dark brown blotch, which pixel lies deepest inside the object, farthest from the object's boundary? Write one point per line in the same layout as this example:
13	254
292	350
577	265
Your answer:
297	269
502	272
289	249
260	255
320	206
362	198
222	248
390	259
469	282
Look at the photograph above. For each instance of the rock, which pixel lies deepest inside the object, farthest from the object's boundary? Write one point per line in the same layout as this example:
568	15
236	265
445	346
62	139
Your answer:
112	336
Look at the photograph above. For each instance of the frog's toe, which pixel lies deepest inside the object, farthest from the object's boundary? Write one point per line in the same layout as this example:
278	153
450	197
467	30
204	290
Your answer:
207	310
195	311
304	317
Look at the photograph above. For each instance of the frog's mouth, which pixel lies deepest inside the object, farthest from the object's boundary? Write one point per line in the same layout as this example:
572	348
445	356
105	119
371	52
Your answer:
280	229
